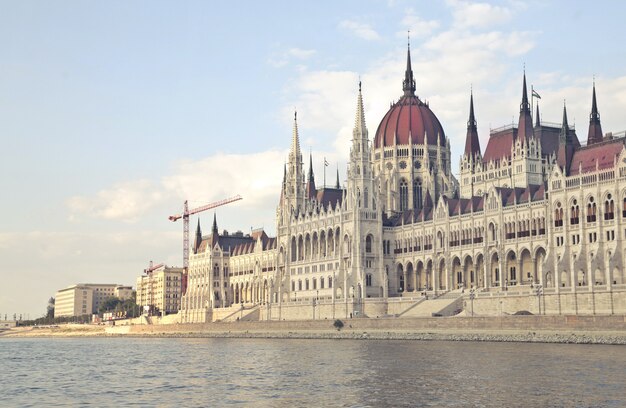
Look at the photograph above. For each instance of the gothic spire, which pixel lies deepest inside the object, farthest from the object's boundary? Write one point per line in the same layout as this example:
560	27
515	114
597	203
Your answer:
214	230
196	244
311	191
567	144
338	186
408	85
359	120
595	128
472	144
525	124
295	138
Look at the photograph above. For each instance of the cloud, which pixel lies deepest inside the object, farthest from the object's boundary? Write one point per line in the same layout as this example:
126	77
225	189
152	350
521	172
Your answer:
257	177
300	53
417	26
125	201
361	30
481	15
283	58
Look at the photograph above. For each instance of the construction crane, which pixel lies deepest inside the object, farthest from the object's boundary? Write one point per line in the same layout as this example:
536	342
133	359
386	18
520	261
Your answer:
185	216
152	267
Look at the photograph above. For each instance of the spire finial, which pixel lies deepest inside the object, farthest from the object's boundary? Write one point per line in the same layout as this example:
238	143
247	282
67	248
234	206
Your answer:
408	85
408	38
595	128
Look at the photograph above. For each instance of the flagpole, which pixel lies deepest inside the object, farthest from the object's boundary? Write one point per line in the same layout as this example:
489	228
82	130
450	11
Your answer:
324	172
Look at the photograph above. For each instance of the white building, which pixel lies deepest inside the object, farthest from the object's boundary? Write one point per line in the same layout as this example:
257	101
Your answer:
86	298
160	290
536	207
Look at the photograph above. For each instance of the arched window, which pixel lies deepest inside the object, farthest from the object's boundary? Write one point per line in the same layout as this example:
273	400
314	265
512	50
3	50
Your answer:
624	208
306	284
368	280
321	283
417	194
591	210
558	215
293	286
609	208
299	285
574	213
404	195
330	281
368	244
365	198
314	283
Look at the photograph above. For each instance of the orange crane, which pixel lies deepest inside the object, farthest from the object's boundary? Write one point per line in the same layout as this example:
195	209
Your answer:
152	267
185	216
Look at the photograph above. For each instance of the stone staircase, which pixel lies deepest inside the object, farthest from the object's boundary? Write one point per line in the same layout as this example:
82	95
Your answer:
444	305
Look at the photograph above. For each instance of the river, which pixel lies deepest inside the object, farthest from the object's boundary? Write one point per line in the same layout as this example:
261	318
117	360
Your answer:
307	373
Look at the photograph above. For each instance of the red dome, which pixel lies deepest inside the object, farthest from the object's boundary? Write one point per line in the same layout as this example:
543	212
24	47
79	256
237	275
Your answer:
409	117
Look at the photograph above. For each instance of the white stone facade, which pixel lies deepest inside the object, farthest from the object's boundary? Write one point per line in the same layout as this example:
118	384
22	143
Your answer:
532	209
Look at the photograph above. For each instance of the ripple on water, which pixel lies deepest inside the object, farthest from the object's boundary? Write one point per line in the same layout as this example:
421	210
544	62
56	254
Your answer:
296	373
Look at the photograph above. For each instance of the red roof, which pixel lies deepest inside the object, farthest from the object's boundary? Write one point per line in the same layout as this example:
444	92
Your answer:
499	145
409	118
601	155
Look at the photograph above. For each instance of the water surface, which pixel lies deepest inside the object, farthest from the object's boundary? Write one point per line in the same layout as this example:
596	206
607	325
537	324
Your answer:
304	373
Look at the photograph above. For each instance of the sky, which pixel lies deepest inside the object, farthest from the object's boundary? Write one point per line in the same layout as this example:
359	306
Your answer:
112	114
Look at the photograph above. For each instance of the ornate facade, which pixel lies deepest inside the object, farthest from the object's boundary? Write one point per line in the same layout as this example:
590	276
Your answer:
536	207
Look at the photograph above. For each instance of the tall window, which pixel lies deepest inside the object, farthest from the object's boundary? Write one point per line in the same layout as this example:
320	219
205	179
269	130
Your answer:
591	210
368	244
417	194
404	195
365	198
609	208
574	216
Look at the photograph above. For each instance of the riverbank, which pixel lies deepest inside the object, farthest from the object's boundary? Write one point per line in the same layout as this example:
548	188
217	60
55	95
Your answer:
511	329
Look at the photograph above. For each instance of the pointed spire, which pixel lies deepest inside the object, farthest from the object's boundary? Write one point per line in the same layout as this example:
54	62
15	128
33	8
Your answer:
285	173
359	120
295	138
408	85
196	244
537	118
311	191
472	144
564	125
337	186
567	144
595	128
214	230
525	124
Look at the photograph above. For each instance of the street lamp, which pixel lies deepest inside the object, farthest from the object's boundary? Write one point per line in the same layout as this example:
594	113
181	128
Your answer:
472	296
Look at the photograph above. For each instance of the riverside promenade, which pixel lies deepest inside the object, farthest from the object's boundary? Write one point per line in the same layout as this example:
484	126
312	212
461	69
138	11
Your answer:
541	329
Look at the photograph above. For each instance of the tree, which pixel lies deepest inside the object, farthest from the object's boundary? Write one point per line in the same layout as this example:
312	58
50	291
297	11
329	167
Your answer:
110	304
338	324
50	309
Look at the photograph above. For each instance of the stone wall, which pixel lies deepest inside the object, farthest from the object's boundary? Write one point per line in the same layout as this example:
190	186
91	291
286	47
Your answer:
457	324
578	303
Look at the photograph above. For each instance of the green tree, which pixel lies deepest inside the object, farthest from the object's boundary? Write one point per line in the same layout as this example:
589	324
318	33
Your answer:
109	305
50	309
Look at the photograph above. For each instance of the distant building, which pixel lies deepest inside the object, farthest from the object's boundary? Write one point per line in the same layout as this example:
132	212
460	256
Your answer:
86	298
160	290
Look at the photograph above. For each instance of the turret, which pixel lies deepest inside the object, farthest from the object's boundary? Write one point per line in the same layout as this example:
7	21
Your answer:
472	144
595	128
525	124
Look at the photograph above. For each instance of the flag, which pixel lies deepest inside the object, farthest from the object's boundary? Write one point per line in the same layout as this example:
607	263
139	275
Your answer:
536	95
325	162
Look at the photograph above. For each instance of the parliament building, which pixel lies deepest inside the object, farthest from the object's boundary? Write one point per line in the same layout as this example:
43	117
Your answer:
535	222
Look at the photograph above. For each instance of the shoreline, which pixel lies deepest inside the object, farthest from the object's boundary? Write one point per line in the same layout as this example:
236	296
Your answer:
523	336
